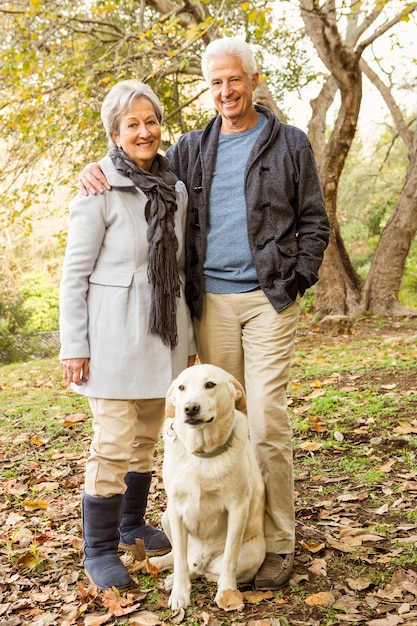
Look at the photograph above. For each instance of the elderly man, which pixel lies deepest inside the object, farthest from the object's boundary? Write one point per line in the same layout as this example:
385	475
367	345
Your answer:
256	233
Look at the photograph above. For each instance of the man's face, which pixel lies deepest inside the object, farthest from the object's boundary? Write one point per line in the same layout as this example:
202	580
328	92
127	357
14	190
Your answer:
231	88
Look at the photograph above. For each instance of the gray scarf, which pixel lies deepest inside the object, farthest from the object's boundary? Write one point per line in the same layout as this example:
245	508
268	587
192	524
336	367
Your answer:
159	186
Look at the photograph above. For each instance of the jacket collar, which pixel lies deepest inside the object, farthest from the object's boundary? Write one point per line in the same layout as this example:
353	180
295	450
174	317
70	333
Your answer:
113	176
210	136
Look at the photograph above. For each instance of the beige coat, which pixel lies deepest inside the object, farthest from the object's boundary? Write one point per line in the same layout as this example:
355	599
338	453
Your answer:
105	295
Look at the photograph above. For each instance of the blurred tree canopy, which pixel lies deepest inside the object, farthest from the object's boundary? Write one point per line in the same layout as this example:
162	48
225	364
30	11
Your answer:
59	58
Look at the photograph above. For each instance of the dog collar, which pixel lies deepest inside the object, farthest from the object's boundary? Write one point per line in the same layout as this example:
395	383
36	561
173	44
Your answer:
171	436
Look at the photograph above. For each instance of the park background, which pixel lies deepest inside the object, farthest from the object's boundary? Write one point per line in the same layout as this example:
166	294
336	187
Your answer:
345	72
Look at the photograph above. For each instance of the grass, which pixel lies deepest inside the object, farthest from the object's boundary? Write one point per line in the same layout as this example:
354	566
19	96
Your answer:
353	406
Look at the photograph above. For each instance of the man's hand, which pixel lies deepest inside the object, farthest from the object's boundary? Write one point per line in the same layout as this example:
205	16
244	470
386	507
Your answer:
92	180
75	370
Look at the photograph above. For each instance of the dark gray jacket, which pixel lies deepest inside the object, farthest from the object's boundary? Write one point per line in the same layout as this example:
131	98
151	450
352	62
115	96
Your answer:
287	222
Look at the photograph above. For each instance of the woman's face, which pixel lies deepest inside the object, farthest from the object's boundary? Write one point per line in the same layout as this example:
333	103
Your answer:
140	133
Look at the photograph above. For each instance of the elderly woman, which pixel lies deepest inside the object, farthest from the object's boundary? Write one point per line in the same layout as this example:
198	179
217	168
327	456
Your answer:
125	328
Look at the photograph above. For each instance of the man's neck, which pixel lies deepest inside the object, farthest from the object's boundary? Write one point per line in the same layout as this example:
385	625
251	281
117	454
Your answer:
230	126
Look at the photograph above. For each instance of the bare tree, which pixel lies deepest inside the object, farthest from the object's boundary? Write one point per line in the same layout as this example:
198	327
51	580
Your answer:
340	290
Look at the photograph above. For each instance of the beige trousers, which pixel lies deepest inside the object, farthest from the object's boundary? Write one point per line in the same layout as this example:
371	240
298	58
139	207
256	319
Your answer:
124	436
243	334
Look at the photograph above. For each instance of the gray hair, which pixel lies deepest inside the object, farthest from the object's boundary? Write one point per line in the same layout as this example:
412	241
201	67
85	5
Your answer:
120	99
229	46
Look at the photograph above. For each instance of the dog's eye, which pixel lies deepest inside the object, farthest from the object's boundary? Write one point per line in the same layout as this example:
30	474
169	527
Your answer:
181	387
210	385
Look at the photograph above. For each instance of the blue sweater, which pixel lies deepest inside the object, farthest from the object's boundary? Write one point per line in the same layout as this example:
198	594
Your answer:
228	266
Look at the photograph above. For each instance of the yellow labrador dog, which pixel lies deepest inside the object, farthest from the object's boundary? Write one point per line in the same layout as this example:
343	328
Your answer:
215	512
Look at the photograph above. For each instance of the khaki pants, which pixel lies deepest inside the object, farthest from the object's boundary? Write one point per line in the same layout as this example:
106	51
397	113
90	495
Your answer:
243	334
124	436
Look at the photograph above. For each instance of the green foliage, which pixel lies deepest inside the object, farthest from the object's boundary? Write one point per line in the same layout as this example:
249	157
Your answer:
41	301
408	293
307	301
13	317
369	188
34	310
57	62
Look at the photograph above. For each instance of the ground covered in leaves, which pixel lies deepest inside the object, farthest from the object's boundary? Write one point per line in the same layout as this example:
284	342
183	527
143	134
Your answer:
353	403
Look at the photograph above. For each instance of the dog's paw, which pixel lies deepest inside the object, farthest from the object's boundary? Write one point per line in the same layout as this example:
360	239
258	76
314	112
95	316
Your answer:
169	582
162	562
229	600
179	600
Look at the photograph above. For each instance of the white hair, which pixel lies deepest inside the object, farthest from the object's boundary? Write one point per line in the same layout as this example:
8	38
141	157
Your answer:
119	101
229	46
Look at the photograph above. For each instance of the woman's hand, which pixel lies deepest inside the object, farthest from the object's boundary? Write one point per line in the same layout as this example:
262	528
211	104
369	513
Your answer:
75	370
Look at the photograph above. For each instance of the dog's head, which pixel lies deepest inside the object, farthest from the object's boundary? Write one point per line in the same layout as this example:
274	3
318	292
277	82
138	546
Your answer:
202	393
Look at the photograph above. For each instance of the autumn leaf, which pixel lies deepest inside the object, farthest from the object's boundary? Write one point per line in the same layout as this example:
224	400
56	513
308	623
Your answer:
404	428
310	446
71	420
340	545
231	600
28	559
37	442
96	619
47	487
387	466
117	604
32	505
318	428
152	569
313	546
358	584
323	598
410	587
318	567
146	618
255	597
23	537
409	485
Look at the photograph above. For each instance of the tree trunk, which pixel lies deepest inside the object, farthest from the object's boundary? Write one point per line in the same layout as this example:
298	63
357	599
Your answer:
380	293
339	289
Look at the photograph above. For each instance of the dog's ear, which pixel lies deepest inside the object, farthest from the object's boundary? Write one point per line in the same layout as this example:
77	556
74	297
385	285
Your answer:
240	396
169	400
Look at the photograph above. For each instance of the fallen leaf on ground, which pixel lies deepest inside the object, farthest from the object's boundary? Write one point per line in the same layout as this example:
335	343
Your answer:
357	584
231	600
323	598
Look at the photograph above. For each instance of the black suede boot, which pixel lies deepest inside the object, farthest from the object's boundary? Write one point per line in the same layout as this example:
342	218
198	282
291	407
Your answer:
102	564
132	525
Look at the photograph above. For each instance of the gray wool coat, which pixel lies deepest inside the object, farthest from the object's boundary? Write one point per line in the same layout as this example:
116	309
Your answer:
105	295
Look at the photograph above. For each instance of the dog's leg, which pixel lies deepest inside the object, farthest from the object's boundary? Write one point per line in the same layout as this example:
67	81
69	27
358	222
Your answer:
181	583
165	561
236	524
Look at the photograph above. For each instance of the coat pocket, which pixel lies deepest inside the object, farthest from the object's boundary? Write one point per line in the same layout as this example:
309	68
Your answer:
111	278
285	258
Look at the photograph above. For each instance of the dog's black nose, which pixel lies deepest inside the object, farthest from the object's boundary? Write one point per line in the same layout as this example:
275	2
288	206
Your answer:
191	409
